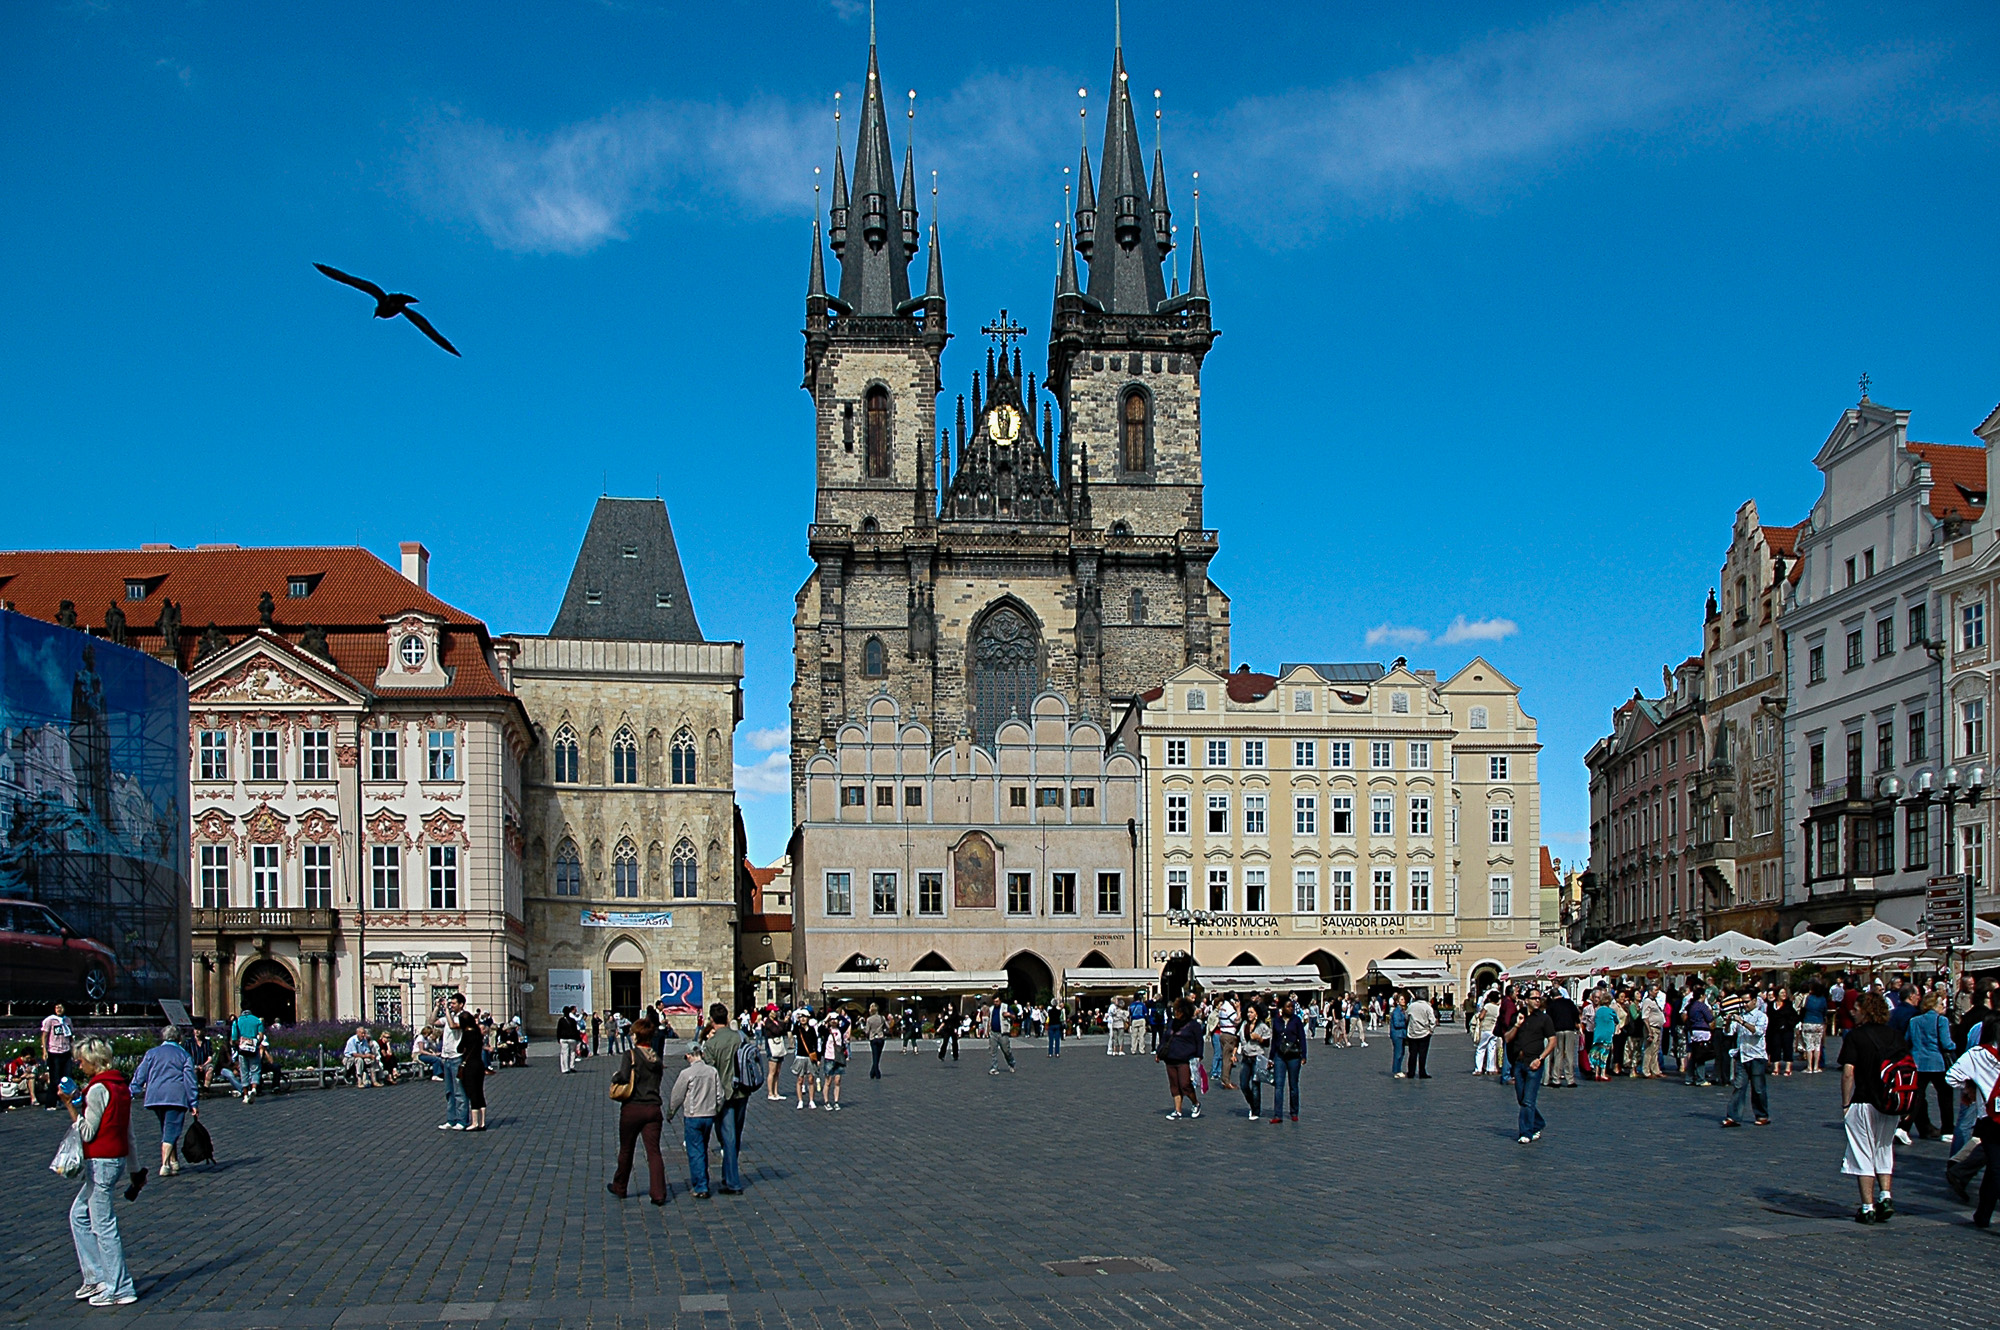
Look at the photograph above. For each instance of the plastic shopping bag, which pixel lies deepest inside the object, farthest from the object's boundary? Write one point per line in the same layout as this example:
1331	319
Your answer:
1204	1077
69	1155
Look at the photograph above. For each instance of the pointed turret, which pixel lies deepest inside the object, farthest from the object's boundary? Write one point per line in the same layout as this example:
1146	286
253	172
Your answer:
874	274
1066	268
837	219
1163	218
907	201
1125	275
816	275
934	285
1086	206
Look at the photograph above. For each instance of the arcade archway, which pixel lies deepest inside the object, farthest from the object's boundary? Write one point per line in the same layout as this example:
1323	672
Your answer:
270	992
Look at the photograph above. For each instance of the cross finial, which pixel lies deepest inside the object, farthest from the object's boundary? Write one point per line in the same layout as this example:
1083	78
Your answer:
1864	385
1004	331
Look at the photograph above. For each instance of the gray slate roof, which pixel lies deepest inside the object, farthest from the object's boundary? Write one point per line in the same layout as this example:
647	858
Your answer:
1366	671
627	584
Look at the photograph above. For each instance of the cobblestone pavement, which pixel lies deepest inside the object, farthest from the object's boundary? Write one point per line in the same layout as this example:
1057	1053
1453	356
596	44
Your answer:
943	1196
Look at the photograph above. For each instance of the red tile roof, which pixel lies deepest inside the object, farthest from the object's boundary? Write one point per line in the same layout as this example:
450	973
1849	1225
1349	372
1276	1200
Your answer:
352	592
763	877
1958	479
1782	540
1549	877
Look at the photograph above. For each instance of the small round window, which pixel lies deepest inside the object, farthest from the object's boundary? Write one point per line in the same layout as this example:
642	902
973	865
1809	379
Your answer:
412	651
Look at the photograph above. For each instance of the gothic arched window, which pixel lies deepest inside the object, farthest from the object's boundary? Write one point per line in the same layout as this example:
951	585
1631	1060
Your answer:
876	410
683	758
566	756
1005	656
625	870
1133	428
569	869
687	872
624	757
1138	605
874	660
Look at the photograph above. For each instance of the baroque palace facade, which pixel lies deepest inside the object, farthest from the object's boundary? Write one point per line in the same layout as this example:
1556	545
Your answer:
355	755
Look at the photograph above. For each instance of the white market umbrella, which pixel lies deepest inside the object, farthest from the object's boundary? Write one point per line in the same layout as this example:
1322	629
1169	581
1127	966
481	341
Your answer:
1799	950
1985	944
1658	954
1865	944
1733	946
1600	959
1543	964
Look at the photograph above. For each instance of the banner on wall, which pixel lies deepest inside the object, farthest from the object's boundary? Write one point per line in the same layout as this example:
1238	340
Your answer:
681	990
568	988
628	919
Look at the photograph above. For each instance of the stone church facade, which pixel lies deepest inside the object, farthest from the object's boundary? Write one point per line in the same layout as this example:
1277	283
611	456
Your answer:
1047	536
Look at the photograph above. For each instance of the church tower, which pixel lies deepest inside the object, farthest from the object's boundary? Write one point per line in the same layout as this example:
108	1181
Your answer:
1052	538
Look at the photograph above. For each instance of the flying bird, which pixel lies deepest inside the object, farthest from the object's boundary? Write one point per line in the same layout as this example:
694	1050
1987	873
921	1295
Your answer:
388	305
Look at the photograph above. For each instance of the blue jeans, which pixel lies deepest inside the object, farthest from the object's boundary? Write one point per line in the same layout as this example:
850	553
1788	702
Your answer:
1395	1053
1528	1085
1055	1041
250	1067
694	1135
433	1063
1286	1069
456	1110
94	1228
1750	1091
1508	1069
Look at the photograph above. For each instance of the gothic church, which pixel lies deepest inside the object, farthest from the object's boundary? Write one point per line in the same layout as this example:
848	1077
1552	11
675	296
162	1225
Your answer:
1050	536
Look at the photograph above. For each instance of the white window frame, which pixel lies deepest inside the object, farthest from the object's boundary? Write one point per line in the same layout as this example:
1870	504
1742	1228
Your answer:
1340	891
1254	816
1381	815
215	877
443	868
315	755
1177	815
316	875
1256	891
1972	626
441	755
1972	726
1219	882
1217	821
1177	888
1420	891
1420	757
1340	755
1217	753
1111	895
1253	752
1305	890
1305	754
1381	755
1305	815
1496	767
839	886
385	877
267	877
264	749
1340	810
1176	752
214	750
1420	815
1500	895
1500	826
385	748
1382	891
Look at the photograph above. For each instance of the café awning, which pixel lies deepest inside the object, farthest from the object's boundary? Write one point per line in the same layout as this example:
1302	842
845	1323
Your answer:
1413	974
915	981
1260	978
1102	980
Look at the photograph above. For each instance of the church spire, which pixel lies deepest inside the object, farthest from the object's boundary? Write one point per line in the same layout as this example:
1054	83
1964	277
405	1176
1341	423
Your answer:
874	273
907	201
1163	222
1125	275
1086	193
837	220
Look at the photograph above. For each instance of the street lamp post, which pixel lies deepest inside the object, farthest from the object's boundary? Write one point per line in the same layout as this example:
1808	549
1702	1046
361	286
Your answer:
1967	786
1193	919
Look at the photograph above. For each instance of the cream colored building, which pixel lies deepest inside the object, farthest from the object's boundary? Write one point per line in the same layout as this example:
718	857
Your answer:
1341	816
630	797
963	859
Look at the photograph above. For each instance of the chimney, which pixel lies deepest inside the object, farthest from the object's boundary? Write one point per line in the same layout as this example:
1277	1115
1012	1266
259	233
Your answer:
417	564
504	651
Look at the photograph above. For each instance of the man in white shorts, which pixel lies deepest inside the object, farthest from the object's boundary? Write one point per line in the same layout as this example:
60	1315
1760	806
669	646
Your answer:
1871	1132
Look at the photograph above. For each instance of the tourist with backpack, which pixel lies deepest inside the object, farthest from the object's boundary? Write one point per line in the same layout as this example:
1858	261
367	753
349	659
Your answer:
740	1077
1874	1095
1976	1076
1288	1058
1750	1026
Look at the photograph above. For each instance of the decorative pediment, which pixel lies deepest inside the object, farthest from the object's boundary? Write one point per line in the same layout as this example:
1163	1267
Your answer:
317	825
416	652
214	825
263	682
265	826
386	828
441	828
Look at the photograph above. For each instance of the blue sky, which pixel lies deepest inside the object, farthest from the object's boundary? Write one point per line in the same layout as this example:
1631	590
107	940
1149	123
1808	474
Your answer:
1518	302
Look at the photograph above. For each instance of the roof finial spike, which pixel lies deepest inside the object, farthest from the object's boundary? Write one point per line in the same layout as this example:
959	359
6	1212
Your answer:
1117	24
871	22
1864	385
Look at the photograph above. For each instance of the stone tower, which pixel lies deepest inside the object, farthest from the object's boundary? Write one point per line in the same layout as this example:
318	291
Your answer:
1052	538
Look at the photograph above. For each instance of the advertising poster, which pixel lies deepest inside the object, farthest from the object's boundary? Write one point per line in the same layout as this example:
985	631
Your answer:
93	819
628	919
682	991
568	988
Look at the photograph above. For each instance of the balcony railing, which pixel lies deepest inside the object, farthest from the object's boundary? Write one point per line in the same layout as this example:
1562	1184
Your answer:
253	920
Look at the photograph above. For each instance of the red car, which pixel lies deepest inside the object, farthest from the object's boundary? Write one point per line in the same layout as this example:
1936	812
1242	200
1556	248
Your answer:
44	959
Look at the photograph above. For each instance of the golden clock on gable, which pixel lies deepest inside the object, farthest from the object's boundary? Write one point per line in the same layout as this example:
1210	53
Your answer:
1004	423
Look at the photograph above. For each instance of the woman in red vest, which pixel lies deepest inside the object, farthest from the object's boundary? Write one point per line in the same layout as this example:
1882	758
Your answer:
104	1121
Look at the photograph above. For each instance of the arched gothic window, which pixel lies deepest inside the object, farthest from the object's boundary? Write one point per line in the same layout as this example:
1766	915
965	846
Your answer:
1138	605
569	869
625	870
687	872
874	660
624	757
683	758
877	431
567	753
1005	657
1134	427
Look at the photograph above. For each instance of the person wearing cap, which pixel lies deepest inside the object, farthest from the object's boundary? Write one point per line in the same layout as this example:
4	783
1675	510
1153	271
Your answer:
697	1098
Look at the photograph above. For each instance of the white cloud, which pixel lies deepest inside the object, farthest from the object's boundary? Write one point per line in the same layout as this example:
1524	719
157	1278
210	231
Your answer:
1397	636
764	741
1458	125
1479	630
771	774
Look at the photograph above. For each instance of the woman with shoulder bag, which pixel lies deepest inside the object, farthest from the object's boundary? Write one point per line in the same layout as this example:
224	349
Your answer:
103	1122
1181	1046
472	1068
636	1087
1254	1041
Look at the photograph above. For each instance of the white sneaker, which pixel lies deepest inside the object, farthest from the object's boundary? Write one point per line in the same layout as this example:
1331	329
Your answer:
1902	1136
1524	1140
1195	1112
87	1291
444	1126
1536	1137
1175	1114
458	1126
104	1299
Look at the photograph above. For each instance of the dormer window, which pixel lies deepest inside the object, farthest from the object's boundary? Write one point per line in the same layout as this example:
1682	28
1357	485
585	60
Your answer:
411	651
662	600
593	597
136	588
629	552
300	585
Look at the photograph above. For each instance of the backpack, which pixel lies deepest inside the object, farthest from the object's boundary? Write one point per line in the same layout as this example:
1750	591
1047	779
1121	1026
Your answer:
1899	1086
749	1076
196	1146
